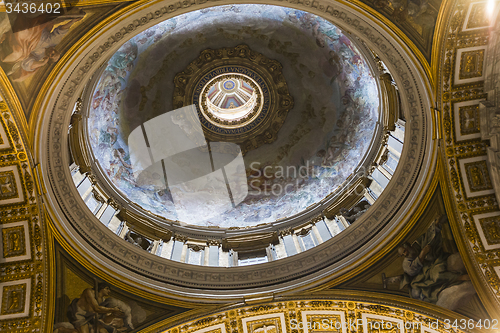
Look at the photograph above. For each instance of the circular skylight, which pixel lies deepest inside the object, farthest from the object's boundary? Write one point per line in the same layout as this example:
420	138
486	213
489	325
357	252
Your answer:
231	99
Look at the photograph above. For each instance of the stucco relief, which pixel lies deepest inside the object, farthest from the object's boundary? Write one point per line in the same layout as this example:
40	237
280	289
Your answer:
126	256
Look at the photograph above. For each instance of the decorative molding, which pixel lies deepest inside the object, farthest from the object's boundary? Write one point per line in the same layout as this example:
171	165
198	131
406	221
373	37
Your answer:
214	242
77	140
253	241
391	104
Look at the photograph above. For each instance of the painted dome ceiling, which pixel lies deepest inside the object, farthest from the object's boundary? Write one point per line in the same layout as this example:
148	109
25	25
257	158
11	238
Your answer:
325	98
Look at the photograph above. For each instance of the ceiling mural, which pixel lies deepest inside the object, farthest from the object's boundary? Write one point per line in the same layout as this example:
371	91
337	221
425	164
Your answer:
85	303
31	44
333	92
53	37
415	18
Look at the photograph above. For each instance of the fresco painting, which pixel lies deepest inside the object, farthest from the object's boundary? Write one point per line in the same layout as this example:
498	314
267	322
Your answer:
433	272
416	18
86	304
325	135
31	44
425	266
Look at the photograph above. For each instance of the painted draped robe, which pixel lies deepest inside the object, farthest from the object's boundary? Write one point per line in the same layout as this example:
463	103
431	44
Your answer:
428	278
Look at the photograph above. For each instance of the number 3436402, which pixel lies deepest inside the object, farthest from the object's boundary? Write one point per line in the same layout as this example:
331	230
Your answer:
31	7
471	324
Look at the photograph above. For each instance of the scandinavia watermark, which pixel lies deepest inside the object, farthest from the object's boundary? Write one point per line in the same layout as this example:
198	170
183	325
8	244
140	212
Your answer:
278	180
355	325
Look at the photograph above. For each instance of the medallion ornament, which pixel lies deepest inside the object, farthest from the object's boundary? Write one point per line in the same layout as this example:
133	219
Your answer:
241	96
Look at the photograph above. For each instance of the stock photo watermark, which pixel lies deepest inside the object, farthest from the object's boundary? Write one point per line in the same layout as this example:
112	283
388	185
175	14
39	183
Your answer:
357	325
282	180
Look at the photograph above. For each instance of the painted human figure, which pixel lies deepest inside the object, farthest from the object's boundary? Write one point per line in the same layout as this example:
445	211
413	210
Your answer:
83	312
426	267
31	43
331	154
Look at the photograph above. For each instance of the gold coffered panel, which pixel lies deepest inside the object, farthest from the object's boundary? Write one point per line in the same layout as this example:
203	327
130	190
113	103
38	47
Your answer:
471	65
15	245
478	178
14	241
340	315
466	117
324	321
267	323
471	190
23	286
477	17
15	296
488	226
11	191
